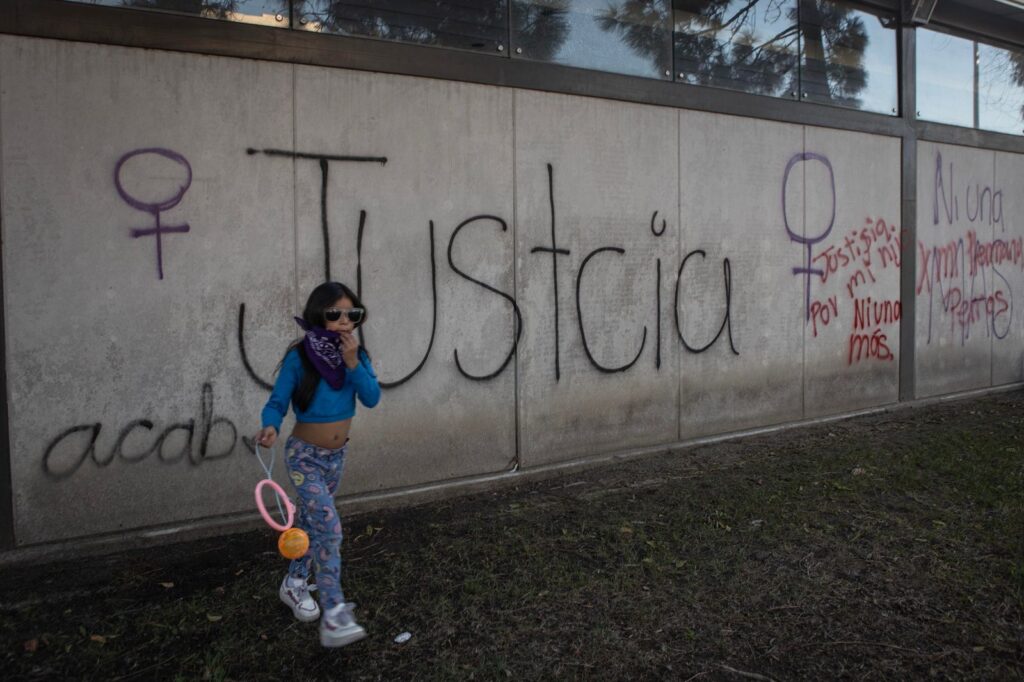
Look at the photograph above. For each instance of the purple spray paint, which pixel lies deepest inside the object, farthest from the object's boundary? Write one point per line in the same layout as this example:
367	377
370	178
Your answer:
155	208
809	242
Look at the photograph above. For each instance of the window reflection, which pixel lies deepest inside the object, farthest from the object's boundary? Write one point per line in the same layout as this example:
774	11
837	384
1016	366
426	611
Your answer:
819	50
622	36
265	12
740	44
469	24
945	78
849	56
1000	89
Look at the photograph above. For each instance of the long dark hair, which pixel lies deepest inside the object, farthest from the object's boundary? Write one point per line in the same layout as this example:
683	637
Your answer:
321	298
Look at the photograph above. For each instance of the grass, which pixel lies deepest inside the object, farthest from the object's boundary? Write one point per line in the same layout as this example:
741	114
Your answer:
883	547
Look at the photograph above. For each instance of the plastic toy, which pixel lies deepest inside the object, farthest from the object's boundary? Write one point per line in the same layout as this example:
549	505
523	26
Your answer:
293	543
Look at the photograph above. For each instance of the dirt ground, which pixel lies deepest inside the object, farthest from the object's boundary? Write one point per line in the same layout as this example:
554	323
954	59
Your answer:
883	547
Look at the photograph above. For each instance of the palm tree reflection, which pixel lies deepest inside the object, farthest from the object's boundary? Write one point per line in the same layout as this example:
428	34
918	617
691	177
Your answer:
750	45
540	30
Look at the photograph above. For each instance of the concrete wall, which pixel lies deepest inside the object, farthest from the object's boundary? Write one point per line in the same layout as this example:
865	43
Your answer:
970	269
676	274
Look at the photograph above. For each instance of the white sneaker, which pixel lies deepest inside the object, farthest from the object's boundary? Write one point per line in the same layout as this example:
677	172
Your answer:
295	593
338	627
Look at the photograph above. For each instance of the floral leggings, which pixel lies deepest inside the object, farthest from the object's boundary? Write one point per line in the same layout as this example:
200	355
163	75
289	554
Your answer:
316	472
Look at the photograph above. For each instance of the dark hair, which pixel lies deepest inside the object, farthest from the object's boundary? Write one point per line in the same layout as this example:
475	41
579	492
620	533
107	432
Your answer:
320	299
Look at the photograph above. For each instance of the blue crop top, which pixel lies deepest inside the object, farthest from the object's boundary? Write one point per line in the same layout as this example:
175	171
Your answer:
328	404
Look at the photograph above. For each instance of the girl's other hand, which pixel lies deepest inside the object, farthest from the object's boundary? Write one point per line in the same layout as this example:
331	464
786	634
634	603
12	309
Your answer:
266	437
349	350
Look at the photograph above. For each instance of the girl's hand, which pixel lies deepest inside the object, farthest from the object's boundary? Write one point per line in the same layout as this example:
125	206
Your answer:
266	437
349	350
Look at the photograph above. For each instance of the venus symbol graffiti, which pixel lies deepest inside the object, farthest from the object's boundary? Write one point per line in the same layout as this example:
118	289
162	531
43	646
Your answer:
154	206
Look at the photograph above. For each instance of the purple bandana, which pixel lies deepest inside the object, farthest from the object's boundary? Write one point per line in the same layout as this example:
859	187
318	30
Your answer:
323	348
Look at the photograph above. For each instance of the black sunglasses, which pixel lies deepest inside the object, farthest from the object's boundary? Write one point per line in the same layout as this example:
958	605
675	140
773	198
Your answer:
355	315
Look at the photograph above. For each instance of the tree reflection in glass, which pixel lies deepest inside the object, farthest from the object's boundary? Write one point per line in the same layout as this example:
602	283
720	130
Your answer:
758	45
1000	89
1017	60
480	25
642	25
835	40
620	36
749	45
540	30
820	50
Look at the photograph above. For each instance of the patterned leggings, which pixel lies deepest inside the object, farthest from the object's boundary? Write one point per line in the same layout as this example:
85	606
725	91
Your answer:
316	472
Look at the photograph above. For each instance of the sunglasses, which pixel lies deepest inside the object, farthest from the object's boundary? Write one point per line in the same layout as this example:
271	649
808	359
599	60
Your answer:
354	315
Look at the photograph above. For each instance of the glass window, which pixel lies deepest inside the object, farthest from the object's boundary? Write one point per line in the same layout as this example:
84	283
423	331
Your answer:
622	36
945	78
265	12
469	24
749	45
1000	89
849	56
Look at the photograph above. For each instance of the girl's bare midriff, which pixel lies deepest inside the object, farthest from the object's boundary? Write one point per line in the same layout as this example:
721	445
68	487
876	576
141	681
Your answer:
330	435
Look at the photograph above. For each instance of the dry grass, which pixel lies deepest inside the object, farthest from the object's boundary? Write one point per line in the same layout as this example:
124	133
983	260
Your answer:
885	547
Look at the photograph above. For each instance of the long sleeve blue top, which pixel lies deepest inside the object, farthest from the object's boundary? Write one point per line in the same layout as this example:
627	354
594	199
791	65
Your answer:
328	404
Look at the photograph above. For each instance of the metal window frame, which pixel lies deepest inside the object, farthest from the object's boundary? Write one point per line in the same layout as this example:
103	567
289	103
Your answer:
60	20
977	40
955	18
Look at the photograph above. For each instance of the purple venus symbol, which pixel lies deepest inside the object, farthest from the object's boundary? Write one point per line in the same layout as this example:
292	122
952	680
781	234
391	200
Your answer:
155	208
808	242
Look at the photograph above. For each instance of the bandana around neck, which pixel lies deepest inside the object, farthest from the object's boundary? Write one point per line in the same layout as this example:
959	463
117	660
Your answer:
324	351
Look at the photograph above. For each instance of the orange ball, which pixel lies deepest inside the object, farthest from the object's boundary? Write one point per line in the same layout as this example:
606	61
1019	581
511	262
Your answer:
293	543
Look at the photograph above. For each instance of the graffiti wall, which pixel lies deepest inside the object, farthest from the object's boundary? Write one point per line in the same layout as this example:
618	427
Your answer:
970	269
548	277
805	221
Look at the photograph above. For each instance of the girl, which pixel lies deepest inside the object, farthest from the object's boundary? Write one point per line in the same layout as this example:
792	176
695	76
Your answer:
321	375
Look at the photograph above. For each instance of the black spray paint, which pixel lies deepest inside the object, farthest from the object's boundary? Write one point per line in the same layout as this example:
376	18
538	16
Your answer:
579	315
195	455
488	287
727	315
555	253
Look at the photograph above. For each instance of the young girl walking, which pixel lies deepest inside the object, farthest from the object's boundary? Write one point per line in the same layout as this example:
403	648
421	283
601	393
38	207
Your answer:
321	375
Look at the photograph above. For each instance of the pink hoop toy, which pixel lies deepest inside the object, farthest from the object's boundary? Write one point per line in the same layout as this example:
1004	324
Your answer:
263	510
293	543
278	493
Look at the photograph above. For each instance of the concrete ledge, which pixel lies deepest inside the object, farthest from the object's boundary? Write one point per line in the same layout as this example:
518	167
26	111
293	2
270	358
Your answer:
408	497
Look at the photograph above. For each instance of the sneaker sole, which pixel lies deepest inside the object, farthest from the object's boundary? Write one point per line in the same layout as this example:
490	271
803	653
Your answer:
332	642
299	615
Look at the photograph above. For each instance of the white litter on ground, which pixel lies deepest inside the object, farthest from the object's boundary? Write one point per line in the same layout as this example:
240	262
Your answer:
403	638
